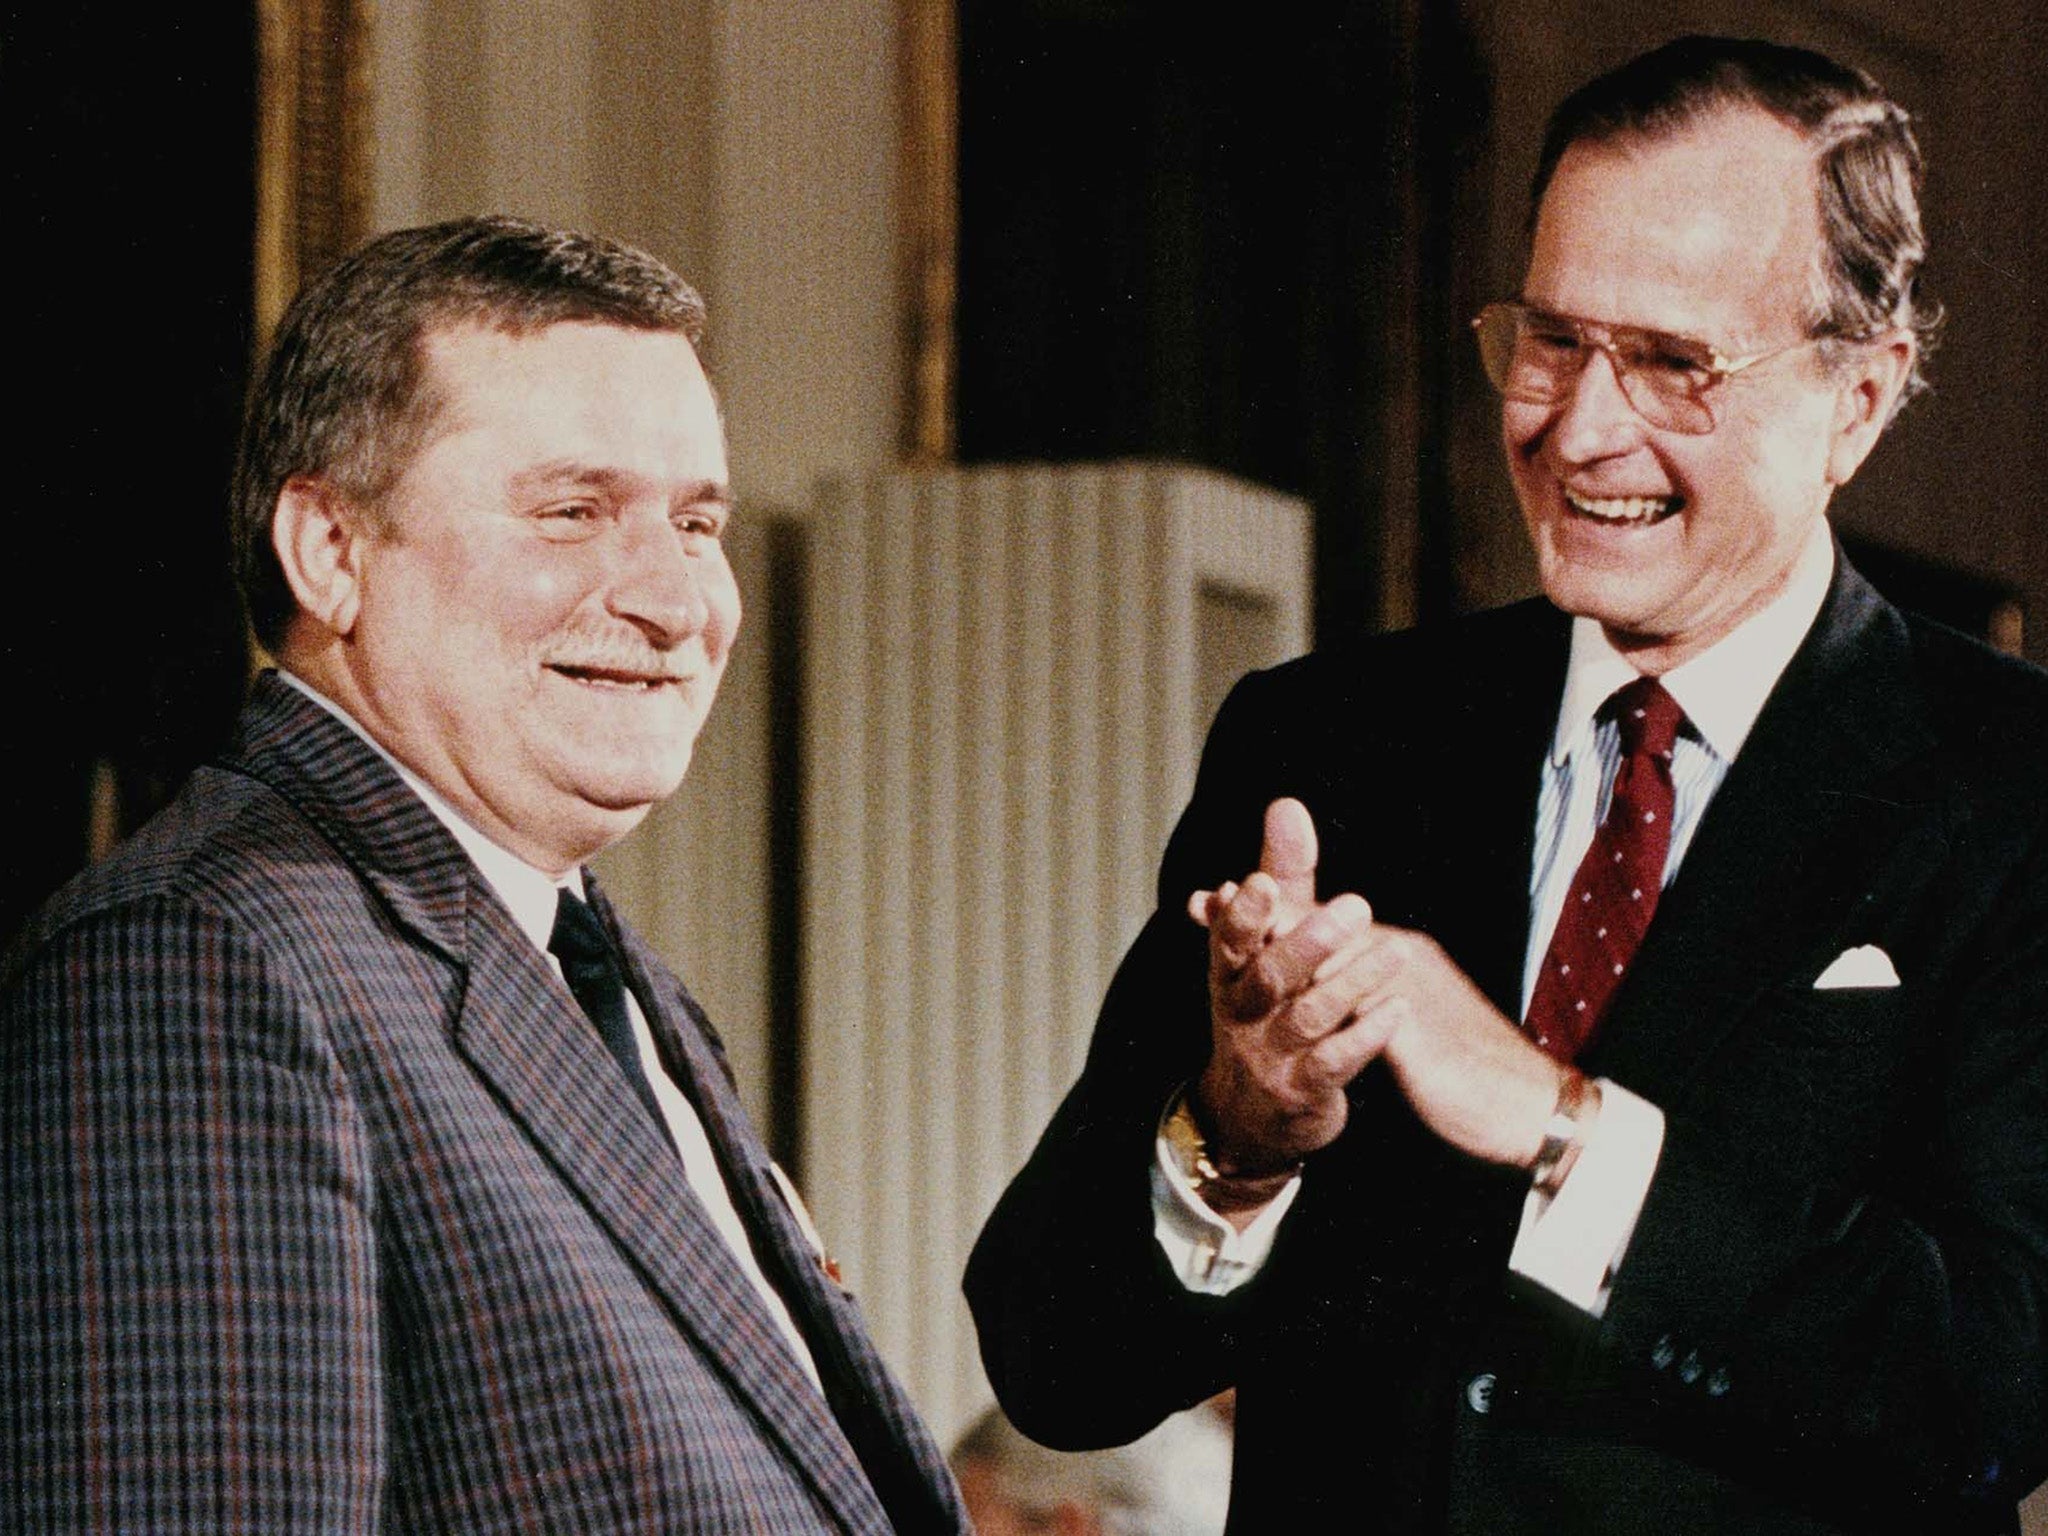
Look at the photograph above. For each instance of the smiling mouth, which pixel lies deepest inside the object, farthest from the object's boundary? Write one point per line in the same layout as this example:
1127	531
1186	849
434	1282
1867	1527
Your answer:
619	679
1623	511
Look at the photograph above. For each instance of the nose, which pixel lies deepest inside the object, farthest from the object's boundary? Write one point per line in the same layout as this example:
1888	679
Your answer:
1594	419
658	585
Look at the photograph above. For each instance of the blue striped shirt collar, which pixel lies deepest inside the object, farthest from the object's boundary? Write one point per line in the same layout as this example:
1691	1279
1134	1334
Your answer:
1722	690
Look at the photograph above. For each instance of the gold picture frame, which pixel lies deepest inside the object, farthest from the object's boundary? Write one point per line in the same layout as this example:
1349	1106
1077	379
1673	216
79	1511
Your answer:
312	143
931	128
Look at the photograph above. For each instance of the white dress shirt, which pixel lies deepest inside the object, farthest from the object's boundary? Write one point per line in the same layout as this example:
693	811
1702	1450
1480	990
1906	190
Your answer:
1571	1244
531	896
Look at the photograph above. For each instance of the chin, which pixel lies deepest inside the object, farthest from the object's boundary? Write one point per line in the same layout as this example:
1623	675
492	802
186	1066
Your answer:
1615	597
633	783
638	759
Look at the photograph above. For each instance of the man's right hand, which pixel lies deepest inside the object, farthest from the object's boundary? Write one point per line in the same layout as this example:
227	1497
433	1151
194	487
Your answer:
1285	976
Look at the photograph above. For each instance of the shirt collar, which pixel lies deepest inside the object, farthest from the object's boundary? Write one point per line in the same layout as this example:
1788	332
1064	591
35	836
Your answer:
528	893
1722	690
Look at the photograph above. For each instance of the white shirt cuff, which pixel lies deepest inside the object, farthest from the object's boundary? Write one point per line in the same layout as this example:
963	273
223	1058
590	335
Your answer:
1573	1244
1207	1253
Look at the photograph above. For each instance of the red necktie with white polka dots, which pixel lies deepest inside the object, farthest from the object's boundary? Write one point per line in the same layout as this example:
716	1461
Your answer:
1608	908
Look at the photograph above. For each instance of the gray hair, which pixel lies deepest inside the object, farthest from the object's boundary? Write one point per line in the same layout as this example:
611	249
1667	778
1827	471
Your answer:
1866	165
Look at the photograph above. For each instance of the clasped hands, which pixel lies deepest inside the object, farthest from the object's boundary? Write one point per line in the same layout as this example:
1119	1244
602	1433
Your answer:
1305	994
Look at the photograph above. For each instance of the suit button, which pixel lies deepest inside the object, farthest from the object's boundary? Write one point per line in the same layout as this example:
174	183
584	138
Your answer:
1479	1392
1719	1382
1663	1352
1690	1367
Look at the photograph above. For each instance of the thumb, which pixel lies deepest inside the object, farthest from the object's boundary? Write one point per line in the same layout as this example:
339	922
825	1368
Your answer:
1288	853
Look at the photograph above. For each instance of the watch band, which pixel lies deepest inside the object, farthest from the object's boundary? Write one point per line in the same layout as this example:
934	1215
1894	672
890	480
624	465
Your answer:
1224	1192
1564	1136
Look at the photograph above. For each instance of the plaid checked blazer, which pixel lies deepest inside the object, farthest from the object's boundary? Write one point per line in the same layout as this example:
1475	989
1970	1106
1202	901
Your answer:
325	1208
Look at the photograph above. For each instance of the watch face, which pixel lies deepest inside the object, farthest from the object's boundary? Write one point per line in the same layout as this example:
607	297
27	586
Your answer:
1185	1140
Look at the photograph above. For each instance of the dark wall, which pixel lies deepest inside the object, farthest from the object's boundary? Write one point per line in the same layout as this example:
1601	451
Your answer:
1204	242
130	199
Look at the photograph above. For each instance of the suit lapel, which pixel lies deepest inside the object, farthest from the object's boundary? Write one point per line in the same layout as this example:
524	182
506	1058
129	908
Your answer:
1478	851
339	782
1789	849
525	1035
857	1384
1427	769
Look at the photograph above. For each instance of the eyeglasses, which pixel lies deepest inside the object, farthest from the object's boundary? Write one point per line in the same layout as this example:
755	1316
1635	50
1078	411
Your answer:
1536	357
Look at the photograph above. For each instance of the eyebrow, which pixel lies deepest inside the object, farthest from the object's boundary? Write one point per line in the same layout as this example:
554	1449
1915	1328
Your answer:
577	472
1689	338
1564	317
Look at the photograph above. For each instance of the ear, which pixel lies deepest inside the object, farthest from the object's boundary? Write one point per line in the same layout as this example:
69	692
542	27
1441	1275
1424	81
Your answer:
1868	387
319	538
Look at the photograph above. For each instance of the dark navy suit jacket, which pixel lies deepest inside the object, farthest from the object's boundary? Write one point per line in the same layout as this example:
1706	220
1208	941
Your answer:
1831	1313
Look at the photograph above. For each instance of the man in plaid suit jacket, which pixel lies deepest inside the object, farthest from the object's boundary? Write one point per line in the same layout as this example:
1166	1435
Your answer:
326	1206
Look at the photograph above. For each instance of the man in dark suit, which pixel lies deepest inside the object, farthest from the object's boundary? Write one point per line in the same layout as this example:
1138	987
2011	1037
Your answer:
1611	1093
361	1170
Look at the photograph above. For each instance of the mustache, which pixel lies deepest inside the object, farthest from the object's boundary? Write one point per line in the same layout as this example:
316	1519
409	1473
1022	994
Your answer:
629	655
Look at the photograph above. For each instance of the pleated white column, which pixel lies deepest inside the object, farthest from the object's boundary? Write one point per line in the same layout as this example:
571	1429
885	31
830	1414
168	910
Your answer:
1002	719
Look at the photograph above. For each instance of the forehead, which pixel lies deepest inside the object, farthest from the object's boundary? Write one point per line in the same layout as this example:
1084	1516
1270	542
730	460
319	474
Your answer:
612	385
1713	230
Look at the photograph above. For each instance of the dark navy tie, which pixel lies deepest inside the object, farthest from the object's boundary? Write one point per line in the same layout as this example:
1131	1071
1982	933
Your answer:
591	967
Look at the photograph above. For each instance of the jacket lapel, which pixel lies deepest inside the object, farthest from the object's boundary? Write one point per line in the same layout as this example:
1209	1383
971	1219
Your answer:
525	1035
1480	848
867	1408
1795	843
340	783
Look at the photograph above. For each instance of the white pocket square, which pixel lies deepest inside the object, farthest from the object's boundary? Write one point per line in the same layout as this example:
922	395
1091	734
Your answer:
1864	966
